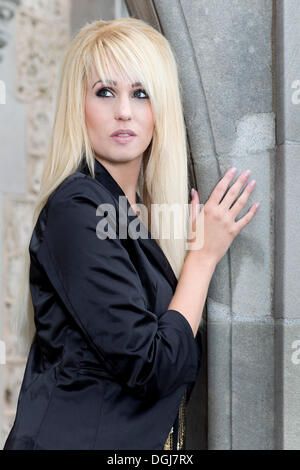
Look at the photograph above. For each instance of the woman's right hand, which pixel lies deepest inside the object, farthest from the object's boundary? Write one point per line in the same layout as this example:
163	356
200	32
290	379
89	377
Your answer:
214	227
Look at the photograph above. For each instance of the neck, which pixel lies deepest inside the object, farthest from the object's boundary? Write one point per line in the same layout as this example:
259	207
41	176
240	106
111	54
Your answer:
126	174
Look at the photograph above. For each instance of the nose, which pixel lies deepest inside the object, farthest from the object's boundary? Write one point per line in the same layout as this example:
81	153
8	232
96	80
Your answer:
123	108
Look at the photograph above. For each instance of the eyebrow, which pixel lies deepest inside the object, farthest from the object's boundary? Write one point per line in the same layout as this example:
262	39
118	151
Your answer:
115	83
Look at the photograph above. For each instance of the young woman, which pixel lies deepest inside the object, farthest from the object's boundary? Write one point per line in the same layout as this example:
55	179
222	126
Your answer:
112	317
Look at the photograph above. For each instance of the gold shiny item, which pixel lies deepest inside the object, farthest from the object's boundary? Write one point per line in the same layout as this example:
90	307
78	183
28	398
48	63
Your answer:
170	442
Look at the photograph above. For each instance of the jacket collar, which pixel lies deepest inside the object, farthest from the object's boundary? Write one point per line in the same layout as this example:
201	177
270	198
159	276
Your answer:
149	244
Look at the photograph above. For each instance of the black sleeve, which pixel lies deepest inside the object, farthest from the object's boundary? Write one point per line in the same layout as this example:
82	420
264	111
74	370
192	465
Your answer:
102	290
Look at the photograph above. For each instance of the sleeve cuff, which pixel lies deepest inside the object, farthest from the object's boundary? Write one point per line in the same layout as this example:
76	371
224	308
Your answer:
182	324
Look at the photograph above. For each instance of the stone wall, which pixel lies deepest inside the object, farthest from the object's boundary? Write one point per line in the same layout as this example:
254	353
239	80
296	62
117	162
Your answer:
31	64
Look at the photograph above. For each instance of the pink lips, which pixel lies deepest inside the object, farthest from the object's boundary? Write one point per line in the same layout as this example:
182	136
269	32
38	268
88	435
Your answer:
123	139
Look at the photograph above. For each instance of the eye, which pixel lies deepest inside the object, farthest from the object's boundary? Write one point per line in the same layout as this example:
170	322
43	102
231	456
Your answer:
104	89
142	91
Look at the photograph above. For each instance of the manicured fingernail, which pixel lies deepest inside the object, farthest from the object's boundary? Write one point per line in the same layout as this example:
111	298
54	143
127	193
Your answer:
192	192
232	170
257	205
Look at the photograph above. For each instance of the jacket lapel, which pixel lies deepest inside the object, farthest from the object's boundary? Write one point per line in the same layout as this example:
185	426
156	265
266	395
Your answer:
149	245
154	252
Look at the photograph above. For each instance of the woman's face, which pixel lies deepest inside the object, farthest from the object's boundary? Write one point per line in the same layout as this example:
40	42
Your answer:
119	105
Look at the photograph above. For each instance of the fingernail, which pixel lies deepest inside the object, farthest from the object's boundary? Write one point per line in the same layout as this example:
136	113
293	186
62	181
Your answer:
192	192
232	170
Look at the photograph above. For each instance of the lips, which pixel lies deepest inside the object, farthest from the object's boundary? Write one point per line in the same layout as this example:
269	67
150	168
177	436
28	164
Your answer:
123	131
123	139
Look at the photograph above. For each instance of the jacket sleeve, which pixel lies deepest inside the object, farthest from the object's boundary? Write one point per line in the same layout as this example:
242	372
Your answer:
102	290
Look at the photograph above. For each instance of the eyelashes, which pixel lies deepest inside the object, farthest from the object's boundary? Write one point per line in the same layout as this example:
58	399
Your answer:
110	90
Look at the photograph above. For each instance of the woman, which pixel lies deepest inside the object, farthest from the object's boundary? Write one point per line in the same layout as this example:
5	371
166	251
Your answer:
113	313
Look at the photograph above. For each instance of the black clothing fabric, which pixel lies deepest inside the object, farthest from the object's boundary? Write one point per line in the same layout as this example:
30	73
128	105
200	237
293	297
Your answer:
109	363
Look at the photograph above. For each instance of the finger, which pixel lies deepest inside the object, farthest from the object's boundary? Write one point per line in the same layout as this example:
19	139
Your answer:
221	187
242	199
194	199
240	224
196	231
233	192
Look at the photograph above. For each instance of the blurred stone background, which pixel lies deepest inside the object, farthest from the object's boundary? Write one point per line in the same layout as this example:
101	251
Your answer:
239	66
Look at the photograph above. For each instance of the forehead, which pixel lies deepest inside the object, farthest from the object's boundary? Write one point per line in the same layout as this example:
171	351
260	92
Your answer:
112	77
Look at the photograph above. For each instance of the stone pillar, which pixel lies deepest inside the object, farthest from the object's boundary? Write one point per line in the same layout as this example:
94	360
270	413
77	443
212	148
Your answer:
287	226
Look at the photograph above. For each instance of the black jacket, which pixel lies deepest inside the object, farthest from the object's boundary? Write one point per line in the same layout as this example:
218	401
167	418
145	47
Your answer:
109	363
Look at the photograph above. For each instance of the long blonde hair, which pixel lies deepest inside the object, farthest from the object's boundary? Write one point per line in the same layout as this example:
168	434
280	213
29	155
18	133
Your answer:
138	51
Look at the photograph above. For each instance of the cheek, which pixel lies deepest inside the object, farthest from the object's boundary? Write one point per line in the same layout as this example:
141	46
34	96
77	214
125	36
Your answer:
93	114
